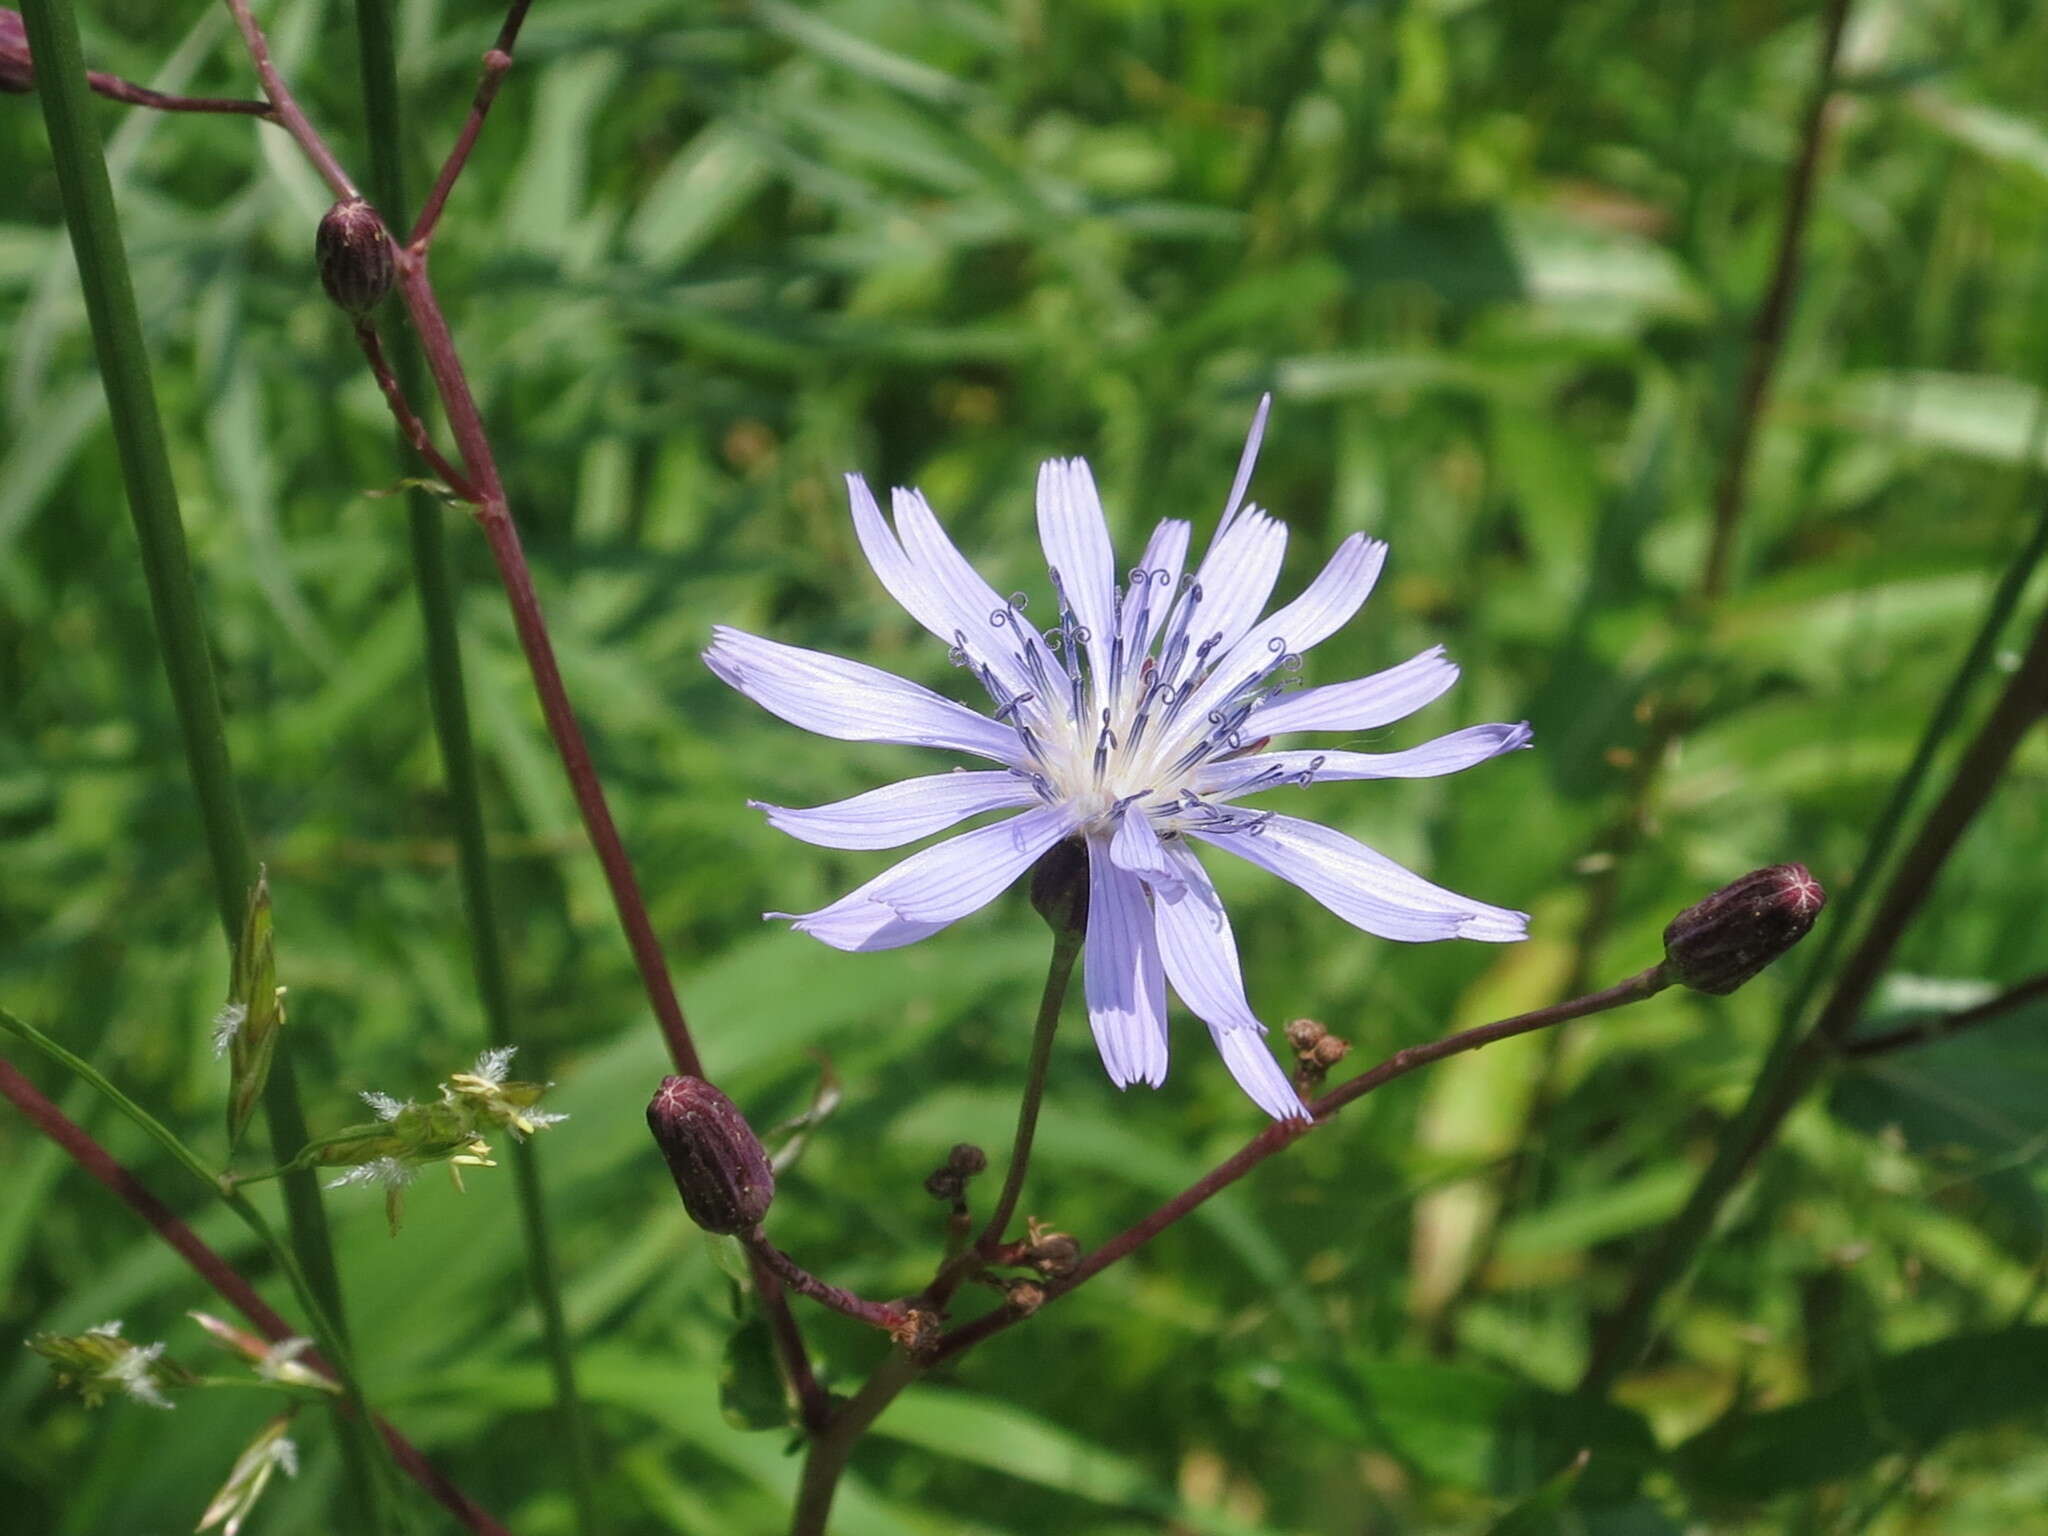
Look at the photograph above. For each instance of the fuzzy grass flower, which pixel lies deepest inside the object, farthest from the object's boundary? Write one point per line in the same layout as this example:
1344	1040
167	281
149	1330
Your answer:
1139	724
100	1363
269	1452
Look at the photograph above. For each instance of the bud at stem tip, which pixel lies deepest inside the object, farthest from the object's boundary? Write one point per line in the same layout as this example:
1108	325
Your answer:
716	1160
1718	944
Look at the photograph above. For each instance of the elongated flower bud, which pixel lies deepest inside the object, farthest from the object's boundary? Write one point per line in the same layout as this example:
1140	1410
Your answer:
1716	945
1059	886
354	255
17	68
714	1156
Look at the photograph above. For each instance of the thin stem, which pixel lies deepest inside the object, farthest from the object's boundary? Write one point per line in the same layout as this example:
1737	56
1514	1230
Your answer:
886	1315
825	1461
1066	948
814	1403
1767	331
497	63
114	88
383	109
88	200
1790	1072
467	425
560	715
288	114
1892	821
1942	1026
1284	1133
227	1282
1669	719
409	424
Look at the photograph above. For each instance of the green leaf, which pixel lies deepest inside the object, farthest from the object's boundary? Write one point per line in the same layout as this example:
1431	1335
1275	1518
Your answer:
1537	1515
749	1385
1906	1403
1476	1429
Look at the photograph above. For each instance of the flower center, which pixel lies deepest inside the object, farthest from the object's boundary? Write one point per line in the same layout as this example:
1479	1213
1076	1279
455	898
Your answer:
1155	716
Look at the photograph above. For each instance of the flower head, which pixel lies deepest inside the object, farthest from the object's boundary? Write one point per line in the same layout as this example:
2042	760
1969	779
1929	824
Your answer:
486	1095
270	1451
100	1364
1138	724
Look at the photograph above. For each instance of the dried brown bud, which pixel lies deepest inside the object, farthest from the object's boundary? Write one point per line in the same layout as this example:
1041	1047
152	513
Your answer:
17	69
947	1184
1327	1052
917	1332
1059	886
1025	1296
1055	1254
1716	945
353	251
719	1167
1303	1035
966	1159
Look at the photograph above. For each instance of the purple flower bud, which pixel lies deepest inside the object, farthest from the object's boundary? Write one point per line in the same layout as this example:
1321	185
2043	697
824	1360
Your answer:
17	69
1716	945
716	1160
1059	886
353	252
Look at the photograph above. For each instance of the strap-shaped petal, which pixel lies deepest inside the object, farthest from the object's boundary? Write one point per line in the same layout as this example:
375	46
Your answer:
1148	599
902	812
936	886
1433	759
1075	535
1363	703
1328	603
1236	578
992	631
1123	978
1247	461
1200	956
1365	888
851	701
1136	847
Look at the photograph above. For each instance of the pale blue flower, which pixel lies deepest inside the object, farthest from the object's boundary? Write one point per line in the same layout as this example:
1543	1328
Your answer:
1138	723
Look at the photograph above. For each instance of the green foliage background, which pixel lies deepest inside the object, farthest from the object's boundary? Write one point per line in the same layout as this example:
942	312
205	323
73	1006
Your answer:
1496	263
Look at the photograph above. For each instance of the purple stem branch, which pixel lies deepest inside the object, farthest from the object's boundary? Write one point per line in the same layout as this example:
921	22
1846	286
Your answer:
74	1140
497	62
886	1315
285	107
1767	331
1927	1031
492	510
1283	1133
409	422
114	88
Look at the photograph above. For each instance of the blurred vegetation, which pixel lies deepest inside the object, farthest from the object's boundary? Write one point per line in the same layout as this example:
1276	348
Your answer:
1496	263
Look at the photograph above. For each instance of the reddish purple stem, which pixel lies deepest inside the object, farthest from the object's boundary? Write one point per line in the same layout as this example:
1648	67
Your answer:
1283	1133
